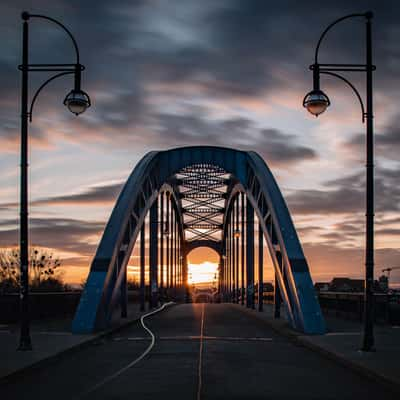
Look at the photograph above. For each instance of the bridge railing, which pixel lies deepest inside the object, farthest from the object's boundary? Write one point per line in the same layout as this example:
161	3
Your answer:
351	306
48	305
41	305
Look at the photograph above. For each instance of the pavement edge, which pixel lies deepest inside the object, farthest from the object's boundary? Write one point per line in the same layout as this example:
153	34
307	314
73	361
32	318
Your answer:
297	338
12	376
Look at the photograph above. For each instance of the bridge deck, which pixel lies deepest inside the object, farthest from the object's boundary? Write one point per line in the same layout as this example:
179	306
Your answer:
234	354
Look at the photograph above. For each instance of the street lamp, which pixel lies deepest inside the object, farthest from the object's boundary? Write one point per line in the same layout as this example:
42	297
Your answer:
77	102
316	103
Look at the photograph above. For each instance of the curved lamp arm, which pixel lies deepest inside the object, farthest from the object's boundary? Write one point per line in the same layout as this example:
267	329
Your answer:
366	15
26	16
42	86
352	87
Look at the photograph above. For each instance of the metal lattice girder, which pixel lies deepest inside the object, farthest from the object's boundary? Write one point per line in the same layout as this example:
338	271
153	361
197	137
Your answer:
212	175
203	188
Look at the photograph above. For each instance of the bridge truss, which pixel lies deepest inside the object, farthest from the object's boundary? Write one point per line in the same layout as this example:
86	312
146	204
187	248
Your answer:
200	197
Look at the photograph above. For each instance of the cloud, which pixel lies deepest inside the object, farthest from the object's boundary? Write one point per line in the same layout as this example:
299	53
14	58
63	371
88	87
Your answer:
62	234
225	50
347	195
276	147
158	72
349	262
95	195
387	142
98	195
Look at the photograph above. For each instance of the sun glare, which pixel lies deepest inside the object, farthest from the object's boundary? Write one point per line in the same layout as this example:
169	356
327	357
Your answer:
206	272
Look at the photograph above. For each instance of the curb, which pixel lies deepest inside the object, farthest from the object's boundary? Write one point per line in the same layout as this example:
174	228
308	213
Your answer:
12	376
331	355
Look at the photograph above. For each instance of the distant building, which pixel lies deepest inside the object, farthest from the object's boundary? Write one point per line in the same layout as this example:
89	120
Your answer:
268	287
382	284
346	285
321	286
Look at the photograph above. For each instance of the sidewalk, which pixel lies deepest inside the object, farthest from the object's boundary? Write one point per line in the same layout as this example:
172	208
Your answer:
342	343
50	339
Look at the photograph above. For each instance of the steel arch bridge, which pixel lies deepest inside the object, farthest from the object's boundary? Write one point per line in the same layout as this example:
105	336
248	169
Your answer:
193	197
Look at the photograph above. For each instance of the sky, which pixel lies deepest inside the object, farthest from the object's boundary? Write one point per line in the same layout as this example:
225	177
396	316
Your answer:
164	74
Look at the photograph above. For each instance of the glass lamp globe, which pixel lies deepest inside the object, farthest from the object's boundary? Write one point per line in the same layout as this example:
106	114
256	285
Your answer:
316	102
236	233
77	101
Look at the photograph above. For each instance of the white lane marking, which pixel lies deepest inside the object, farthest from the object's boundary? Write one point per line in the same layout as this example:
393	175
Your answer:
131	364
55	333
200	354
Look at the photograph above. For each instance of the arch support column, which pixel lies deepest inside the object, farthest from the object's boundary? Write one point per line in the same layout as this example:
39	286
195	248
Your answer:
260	268
249	255
153	254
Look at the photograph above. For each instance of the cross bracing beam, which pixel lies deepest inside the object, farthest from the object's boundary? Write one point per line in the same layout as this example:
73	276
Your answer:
233	170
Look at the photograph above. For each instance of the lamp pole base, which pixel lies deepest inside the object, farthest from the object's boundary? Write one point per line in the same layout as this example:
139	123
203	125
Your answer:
25	344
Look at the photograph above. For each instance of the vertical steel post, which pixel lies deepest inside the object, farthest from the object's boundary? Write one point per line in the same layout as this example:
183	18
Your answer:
153	253
168	244
176	255
368	338
242	248
142	265
232	257
25	338
227	263
172	251
260	268
124	295
250	255
277	291
237	249
162	228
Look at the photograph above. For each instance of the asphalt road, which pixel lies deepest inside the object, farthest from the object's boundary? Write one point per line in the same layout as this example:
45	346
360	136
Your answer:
202	351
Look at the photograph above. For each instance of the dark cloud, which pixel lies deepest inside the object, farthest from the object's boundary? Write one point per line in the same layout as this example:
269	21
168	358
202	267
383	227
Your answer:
275	146
387	142
139	52
102	195
347	195
228	49
62	234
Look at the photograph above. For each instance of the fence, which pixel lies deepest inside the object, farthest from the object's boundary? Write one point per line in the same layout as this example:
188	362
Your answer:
351	306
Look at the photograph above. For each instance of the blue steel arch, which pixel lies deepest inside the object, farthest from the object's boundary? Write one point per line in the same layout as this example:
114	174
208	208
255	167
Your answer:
140	192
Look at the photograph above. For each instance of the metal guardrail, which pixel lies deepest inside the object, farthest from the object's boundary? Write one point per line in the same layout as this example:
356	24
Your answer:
42	305
351	306
340	304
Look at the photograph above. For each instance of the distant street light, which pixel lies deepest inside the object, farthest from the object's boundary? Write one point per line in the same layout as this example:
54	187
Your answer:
77	102
316	103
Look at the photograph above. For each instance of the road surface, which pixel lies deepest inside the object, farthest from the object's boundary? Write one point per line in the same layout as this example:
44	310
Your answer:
202	351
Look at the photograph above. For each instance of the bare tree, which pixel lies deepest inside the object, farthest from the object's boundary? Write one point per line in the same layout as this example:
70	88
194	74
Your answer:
44	272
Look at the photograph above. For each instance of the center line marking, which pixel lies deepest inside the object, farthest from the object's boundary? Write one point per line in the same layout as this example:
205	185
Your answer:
200	354
216	338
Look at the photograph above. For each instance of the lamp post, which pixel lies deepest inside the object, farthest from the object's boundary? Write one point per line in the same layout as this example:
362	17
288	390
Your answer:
77	102
316	103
